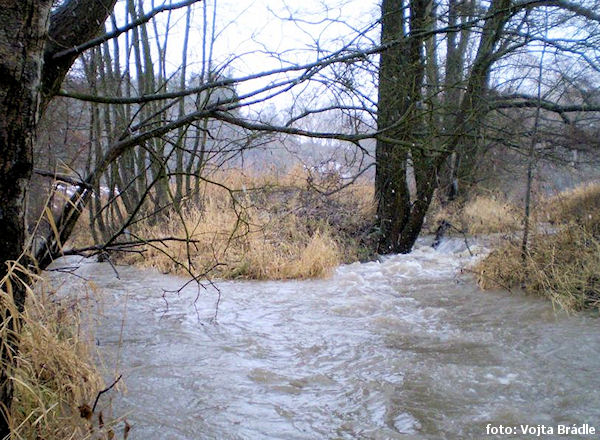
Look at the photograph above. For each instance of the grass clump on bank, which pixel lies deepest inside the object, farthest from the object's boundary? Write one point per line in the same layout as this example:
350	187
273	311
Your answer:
261	227
564	265
485	214
482	214
55	380
580	205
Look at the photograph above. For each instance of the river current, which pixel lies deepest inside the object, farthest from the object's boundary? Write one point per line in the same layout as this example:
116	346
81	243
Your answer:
404	348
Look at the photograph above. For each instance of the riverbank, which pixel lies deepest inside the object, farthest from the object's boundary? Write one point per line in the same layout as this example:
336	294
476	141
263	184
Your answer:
56	379
300	225
259	226
292	226
562	259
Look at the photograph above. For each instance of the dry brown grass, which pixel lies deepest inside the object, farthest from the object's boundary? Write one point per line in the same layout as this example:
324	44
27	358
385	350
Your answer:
579	205
55	377
483	214
563	266
261	227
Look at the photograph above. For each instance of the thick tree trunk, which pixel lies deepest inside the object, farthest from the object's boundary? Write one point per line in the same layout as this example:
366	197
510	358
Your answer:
23	27
399	115
391	189
401	108
30	74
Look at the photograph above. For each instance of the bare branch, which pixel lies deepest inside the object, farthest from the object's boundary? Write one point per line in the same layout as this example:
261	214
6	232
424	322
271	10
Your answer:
80	48
62	178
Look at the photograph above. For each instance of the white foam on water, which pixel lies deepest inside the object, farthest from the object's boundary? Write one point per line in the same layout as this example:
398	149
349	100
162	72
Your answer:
405	347
405	423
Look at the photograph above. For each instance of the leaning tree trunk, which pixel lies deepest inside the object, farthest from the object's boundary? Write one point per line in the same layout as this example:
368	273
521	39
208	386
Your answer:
22	40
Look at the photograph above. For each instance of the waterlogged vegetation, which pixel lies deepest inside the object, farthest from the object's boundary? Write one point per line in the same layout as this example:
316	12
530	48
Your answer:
562	262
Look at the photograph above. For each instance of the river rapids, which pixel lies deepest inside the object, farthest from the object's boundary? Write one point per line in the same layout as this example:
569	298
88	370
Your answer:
404	348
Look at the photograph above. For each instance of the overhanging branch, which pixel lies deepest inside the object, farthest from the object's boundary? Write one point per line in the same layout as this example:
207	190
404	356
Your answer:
62	178
525	101
79	49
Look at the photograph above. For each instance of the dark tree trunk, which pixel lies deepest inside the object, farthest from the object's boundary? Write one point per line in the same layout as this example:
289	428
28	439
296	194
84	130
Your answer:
401	74
391	189
401	109
457	43
29	76
425	170
22	40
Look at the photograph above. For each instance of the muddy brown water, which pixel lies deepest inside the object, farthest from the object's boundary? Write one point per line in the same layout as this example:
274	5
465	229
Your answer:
405	348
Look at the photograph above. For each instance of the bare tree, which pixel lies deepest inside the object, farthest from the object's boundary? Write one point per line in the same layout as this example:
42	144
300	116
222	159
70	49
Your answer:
401	115
433	121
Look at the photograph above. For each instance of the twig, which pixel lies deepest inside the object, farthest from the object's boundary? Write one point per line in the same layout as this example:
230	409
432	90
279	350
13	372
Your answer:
122	246
104	391
464	237
106	256
62	178
63	269
217	306
69	271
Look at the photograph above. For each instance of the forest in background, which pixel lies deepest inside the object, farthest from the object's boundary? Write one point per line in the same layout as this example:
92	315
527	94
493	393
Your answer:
422	116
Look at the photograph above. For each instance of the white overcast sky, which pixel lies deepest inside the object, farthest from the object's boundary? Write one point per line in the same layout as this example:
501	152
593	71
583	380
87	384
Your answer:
248	30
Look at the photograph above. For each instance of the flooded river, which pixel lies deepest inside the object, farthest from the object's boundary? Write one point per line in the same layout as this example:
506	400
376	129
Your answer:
405	348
